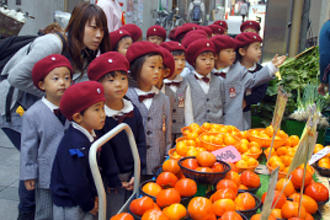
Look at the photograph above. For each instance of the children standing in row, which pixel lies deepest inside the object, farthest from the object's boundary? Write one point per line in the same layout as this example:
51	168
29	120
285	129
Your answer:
146	66
72	185
39	140
237	78
178	90
249	54
116	158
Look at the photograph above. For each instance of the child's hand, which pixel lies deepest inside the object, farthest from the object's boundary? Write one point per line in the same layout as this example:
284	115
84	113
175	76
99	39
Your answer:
278	60
129	185
96	207
30	184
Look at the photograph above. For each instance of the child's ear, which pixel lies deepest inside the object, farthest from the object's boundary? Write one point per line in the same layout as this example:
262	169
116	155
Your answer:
167	72
77	117
242	51
41	85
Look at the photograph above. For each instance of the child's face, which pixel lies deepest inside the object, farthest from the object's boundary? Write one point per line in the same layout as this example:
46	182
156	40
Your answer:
55	83
180	63
250	30
253	52
151	71
155	39
226	57
93	117
115	87
124	44
204	63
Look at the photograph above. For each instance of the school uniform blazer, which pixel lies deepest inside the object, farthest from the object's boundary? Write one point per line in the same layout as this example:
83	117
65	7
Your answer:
42	131
72	183
237	80
157	143
116	156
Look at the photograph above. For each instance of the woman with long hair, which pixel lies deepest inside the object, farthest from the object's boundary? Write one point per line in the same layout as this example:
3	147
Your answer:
85	36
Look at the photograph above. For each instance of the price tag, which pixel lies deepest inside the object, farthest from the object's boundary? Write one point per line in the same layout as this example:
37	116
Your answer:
322	153
228	154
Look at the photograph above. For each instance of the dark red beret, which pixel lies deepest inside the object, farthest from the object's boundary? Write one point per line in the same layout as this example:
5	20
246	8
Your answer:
106	63
168	61
191	37
197	47
250	24
185	28
42	68
172	34
116	36
222	24
246	38
217	29
207	29
134	30
141	48
223	42
81	96
173	46
156	30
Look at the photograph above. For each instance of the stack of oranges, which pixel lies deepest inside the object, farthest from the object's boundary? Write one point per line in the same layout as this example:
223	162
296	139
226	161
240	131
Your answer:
325	161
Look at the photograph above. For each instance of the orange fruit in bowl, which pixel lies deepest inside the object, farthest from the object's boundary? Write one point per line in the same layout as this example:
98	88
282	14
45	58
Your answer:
289	189
175	211
286	160
282	151
171	165
234	176
206	126
151	188
251	162
181	148
255	150
241	164
324	162
192	151
206	159
294	139
317	148
223	205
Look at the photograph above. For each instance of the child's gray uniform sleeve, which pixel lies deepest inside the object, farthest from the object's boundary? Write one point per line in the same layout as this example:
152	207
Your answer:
20	75
168	124
260	77
29	149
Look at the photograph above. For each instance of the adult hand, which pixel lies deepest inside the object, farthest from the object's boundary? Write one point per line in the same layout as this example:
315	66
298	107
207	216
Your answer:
30	184
94	211
129	185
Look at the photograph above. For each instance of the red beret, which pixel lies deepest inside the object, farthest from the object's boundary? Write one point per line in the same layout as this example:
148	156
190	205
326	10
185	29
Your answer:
116	36
134	30
250	24
191	37
141	48
246	38
217	29
81	96
156	30
173	46
172	34
42	68
207	29
106	63
222	24
223	42
197	47
185	28
168	60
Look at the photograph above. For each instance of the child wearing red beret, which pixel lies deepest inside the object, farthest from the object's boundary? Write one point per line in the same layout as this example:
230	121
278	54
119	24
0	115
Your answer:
168	70
134	30
250	26
146	66
156	34
207	101
116	158
223	24
42	130
237	78
72	185
120	40
249	54
178	90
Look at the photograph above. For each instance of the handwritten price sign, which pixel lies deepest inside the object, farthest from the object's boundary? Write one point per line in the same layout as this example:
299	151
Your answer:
227	154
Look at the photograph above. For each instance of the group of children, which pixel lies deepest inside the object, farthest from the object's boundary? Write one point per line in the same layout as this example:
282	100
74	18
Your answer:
146	84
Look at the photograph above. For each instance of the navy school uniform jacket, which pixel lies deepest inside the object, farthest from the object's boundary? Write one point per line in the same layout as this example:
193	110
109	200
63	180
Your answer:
72	183
257	94
116	156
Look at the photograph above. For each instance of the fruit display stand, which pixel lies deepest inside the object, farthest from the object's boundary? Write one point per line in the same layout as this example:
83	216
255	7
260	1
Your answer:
96	172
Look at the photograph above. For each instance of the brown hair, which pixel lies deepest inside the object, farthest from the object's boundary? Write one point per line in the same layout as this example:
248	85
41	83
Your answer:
52	28
82	14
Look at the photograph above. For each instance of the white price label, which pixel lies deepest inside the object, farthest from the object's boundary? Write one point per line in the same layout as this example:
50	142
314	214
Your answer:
322	153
